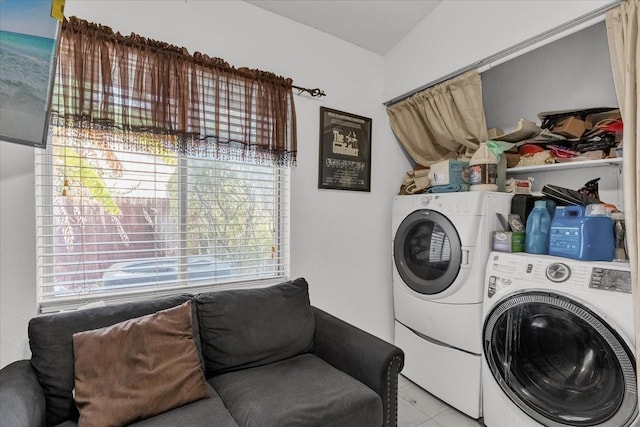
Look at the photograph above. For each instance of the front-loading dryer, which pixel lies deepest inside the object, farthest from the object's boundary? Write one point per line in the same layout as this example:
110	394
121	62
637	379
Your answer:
558	343
440	245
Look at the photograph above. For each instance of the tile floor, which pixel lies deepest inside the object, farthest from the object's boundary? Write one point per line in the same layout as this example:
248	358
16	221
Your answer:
417	408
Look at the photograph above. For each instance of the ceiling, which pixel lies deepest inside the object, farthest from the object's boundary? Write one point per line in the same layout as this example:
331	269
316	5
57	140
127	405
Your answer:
376	25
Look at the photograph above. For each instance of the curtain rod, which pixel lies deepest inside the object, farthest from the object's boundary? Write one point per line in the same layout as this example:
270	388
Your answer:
313	92
514	50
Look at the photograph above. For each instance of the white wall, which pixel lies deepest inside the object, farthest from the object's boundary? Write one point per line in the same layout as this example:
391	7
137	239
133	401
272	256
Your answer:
577	76
462	32
17	249
340	240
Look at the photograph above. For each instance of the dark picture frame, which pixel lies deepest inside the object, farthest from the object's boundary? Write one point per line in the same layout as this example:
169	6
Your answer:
28	40
345	151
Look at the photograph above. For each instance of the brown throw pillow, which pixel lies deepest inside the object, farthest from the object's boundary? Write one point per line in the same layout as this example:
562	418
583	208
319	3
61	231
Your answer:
137	368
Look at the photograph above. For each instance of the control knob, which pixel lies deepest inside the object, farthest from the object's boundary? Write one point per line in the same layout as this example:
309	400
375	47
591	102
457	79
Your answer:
558	272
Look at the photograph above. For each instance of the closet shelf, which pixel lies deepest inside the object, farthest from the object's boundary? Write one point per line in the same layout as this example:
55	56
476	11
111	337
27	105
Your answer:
565	166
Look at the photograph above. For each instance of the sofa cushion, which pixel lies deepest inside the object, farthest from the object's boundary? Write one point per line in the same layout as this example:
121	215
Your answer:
301	391
50	340
137	368
251	327
201	413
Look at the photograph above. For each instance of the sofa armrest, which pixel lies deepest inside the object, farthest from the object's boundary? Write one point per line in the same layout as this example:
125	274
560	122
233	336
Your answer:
22	401
372	361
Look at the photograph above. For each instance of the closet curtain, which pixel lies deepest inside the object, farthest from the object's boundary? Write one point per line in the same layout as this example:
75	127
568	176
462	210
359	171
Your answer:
622	34
445	121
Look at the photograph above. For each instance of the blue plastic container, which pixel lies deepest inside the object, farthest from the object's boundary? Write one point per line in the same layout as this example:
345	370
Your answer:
587	238
536	239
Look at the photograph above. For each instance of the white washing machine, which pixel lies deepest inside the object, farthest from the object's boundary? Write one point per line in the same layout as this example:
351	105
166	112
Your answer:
558	343
440	248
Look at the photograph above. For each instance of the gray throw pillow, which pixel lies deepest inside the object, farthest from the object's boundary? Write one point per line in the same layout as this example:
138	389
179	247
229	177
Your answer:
253	327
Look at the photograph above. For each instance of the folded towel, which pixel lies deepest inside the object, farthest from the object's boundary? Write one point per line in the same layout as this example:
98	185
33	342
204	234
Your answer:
451	188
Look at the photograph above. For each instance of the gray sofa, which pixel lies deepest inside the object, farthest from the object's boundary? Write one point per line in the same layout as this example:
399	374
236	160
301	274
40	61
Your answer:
269	359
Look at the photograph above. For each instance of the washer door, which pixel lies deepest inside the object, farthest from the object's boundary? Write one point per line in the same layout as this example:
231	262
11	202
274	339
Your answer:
560	363
427	252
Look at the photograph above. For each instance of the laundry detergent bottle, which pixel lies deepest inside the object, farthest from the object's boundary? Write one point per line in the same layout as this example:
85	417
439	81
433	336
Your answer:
483	168
536	240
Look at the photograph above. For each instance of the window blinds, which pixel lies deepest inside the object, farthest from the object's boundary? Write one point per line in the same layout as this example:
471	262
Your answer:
116	224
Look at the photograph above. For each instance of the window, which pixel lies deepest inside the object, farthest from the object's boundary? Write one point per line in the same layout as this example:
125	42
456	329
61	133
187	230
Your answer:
114	222
148	187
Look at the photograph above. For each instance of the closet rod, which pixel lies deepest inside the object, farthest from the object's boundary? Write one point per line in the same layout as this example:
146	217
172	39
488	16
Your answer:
515	50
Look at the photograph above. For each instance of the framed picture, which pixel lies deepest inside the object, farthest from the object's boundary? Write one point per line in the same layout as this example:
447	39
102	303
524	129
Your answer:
345	151
28	36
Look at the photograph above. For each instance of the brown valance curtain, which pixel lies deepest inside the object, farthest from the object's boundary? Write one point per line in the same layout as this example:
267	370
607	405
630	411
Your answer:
137	89
445	121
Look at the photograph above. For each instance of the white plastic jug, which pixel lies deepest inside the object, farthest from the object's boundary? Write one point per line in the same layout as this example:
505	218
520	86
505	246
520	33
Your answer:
483	168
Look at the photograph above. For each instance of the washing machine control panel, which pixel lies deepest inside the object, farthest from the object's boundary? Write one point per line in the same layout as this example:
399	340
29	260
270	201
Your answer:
553	272
610	280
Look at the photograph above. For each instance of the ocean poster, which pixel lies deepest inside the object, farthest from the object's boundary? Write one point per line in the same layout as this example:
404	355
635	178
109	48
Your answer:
27	47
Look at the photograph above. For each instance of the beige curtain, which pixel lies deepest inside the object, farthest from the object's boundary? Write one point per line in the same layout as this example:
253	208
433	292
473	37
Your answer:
445	121
622	33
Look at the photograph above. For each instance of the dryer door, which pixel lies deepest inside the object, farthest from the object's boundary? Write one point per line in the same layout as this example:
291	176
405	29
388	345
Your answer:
427	252
559	362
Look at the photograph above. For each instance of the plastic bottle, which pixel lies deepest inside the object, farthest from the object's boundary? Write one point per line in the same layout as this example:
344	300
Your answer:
536	239
619	233
483	168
